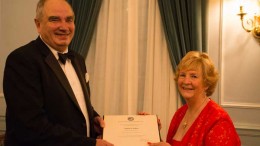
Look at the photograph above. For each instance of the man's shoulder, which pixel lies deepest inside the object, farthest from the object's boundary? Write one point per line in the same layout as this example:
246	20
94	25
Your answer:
28	47
29	50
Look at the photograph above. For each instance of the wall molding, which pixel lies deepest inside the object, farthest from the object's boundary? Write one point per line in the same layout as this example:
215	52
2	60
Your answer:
248	132
2	124
2	105
248	127
239	105
244	114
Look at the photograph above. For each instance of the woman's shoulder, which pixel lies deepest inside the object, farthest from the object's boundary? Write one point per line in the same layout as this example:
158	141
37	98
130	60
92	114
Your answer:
220	126
214	107
216	112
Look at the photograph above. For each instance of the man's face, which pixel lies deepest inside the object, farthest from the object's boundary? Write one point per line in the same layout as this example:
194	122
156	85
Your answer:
56	26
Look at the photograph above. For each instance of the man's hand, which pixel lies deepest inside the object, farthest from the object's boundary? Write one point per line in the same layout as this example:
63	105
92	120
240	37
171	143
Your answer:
99	124
99	121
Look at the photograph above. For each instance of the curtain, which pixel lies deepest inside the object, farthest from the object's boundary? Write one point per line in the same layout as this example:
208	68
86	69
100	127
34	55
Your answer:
86	13
184	24
128	62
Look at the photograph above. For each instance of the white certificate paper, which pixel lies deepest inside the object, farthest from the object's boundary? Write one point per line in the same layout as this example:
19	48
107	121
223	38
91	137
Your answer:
131	130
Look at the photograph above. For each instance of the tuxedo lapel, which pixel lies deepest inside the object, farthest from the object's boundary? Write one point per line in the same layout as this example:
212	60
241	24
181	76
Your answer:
55	67
53	64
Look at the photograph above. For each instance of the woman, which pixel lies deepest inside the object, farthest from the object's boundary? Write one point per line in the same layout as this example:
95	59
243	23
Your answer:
201	121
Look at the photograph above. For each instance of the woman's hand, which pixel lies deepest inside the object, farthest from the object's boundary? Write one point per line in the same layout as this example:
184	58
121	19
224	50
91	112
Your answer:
158	120
158	144
143	113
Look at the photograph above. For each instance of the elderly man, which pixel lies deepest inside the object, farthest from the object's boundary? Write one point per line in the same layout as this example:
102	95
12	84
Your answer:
45	86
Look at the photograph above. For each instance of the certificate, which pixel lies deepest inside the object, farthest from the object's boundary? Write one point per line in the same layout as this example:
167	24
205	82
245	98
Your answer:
131	130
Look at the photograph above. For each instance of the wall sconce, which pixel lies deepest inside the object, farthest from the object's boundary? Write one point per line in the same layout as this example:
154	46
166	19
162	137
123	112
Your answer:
252	25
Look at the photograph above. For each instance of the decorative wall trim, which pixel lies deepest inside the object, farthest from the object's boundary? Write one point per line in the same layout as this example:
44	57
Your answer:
247	127
220	86
240	105
2	114
2	124
248	132
244	115
2	105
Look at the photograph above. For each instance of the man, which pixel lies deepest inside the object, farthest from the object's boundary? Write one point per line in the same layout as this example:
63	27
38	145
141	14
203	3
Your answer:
47	97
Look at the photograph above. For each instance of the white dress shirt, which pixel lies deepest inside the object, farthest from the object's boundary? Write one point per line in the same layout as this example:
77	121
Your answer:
75	85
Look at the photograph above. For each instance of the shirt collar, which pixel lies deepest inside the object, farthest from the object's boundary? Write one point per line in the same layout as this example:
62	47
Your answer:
54	52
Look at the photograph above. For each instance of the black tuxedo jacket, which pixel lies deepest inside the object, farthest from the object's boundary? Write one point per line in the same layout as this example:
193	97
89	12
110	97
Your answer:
42	109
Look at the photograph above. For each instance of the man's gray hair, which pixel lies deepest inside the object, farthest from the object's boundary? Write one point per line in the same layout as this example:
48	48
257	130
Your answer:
39	8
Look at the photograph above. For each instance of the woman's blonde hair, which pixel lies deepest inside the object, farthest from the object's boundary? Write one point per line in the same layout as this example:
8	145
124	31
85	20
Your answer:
195	60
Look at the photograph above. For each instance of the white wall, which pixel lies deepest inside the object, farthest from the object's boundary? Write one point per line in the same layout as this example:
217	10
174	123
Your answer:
16	28
236	53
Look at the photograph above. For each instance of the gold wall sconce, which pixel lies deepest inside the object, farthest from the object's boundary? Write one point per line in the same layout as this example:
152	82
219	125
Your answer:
249	24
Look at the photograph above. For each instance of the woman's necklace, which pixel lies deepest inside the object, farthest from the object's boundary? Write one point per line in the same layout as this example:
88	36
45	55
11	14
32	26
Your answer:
185	124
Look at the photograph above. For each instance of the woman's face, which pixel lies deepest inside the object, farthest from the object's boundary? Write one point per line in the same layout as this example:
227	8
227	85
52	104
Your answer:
190	83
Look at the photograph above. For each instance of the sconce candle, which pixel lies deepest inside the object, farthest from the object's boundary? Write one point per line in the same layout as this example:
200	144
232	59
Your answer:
252	25
256	30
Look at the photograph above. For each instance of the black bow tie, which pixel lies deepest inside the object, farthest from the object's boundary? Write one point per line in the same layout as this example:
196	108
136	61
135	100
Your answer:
64	57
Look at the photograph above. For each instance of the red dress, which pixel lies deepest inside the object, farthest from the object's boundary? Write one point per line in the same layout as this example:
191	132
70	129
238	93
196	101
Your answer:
213	127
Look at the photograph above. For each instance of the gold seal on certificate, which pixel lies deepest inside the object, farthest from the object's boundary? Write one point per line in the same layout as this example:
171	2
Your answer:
131	130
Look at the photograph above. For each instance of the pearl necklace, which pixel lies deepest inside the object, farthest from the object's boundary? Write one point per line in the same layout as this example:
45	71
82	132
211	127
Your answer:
185	124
